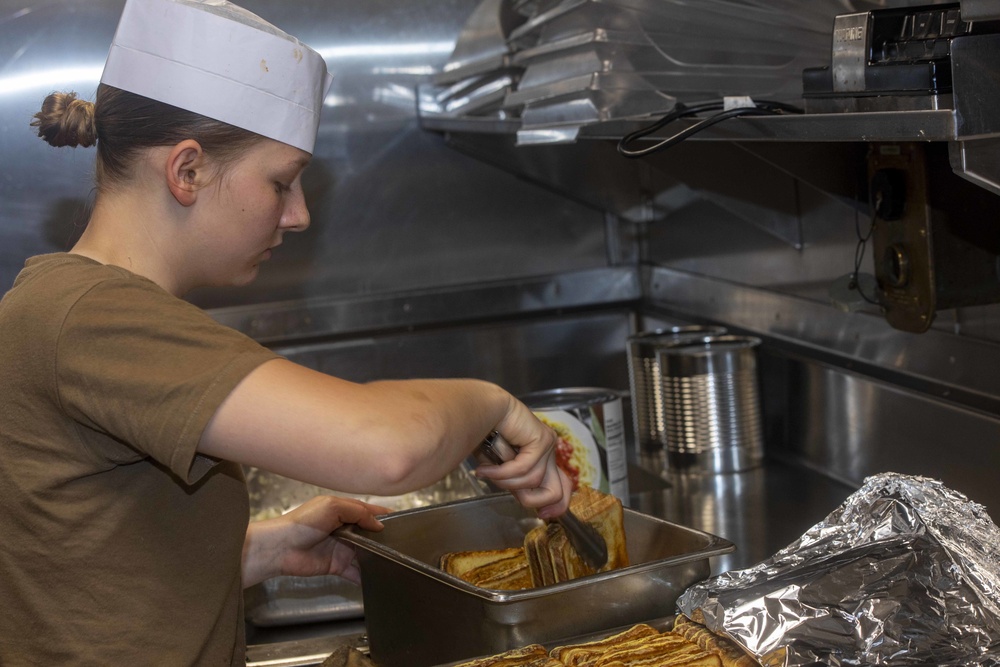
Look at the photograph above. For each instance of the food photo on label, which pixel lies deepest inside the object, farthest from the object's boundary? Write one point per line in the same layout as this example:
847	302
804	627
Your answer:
590	427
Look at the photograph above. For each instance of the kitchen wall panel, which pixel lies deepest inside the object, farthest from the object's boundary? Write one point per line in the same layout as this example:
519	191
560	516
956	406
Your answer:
393	208
546	352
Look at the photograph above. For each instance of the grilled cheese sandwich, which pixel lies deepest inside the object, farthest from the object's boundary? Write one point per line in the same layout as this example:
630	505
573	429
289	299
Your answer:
551	556
533	655
727	650
586	654
688	644
498	569
662	650
546	556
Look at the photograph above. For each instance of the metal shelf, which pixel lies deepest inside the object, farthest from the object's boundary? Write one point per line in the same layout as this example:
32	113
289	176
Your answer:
973	138
926	125
935	125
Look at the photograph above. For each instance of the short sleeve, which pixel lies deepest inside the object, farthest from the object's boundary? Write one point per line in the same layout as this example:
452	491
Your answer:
149	370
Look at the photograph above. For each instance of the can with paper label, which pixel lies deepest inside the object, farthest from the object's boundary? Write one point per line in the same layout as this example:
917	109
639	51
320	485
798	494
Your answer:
591	430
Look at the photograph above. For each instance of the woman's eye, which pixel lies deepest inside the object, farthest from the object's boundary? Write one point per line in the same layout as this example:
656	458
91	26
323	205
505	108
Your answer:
281	188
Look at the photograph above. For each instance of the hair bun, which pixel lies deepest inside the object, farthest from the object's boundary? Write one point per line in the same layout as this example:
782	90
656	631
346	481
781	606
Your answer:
66	120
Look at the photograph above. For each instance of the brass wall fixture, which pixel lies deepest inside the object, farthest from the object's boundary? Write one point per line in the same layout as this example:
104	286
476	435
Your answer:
904	268
936	240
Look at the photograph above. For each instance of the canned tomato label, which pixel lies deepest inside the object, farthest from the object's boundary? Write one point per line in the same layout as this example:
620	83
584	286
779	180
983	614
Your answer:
591	430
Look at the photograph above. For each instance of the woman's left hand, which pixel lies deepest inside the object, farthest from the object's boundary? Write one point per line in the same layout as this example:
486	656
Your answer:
299	543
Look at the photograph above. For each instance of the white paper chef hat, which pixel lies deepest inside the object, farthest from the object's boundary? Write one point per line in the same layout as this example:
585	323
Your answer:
221	61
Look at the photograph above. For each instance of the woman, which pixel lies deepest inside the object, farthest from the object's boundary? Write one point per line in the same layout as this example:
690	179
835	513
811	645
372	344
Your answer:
128	412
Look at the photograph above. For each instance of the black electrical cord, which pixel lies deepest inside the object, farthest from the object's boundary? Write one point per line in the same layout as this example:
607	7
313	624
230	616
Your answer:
760	108
859	250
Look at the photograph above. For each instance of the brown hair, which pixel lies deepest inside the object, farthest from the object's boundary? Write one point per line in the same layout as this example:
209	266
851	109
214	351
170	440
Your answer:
124	124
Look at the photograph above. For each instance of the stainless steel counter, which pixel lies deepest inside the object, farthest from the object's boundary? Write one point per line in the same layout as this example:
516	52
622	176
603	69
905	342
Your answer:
760	511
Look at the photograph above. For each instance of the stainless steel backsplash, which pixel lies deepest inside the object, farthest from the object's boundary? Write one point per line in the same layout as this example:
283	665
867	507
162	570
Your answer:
393	208
425	259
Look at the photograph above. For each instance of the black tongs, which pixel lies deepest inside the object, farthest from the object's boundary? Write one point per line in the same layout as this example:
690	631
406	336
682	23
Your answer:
583	536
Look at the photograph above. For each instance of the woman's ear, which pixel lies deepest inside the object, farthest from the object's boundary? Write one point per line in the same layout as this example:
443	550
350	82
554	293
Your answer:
186	171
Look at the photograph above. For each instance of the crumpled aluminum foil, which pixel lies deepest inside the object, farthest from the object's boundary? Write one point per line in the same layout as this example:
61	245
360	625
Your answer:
905	572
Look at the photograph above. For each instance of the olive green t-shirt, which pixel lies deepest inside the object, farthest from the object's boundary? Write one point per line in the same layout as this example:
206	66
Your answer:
119	543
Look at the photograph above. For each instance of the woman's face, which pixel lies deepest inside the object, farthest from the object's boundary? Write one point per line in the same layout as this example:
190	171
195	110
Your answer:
252	203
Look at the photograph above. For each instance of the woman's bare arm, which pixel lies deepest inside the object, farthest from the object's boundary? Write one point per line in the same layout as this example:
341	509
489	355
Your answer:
382	437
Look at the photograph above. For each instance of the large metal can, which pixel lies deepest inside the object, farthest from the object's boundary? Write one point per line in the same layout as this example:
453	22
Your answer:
712	404
590	424
645	380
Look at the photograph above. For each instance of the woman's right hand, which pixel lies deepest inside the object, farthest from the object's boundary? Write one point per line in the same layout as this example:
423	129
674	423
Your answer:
532	475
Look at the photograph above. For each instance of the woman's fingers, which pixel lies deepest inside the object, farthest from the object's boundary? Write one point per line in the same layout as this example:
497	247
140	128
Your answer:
558	507
327	513
550	497
344	563
532	475
361	513
528	467
513	479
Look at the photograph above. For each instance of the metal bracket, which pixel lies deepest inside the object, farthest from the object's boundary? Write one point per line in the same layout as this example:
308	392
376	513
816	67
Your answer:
901	241
935	244
978	161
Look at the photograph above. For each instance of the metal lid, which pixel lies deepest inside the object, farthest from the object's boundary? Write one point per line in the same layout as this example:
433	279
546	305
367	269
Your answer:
707	355
645	343
569	398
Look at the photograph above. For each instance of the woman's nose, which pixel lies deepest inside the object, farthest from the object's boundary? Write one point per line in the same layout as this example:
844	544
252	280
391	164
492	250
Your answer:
296	215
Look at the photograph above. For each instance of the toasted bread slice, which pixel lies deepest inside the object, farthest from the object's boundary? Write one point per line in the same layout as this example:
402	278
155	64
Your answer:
662	650
728	651
701	659
536	549
604	511
544	662
547	557
560	554
534	655
460	563
502	565
586	654
514	577
499	569
503	573
563	563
